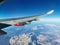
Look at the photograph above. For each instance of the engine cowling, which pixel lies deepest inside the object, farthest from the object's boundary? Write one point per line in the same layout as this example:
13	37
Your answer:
19	24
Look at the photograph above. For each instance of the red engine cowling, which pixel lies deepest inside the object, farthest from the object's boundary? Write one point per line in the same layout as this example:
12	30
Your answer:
18	24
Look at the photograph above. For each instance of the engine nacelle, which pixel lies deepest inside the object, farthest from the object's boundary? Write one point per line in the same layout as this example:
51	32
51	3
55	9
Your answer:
19	24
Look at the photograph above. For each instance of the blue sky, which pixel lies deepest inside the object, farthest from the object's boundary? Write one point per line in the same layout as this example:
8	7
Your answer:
23	8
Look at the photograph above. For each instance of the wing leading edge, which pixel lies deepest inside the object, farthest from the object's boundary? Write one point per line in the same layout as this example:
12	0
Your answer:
24	19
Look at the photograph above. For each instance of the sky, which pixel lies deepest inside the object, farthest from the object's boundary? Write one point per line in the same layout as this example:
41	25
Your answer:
24	8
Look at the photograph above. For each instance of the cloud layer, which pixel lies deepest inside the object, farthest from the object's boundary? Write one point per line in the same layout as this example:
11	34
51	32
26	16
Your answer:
48	34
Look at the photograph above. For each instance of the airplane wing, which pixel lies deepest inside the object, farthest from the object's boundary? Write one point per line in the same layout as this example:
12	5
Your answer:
19	21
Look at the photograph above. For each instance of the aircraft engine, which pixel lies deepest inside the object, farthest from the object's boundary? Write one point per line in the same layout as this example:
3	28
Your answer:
18	24
24	23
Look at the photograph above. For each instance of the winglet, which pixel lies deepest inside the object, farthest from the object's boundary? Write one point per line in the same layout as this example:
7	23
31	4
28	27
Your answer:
50	12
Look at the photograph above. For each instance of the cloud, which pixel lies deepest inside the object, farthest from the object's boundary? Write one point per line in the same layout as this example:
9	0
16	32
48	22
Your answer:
20	40
47	43
57	40
33	43
23	39
50	25
52	30
50	20
35	28
49	37
41	38
53	26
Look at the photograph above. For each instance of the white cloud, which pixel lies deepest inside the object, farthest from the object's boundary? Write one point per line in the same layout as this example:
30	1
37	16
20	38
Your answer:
41	38
20	40
46	43
18	28
53	25
57	40
49	20
33	43
35	28
25	39
12	41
